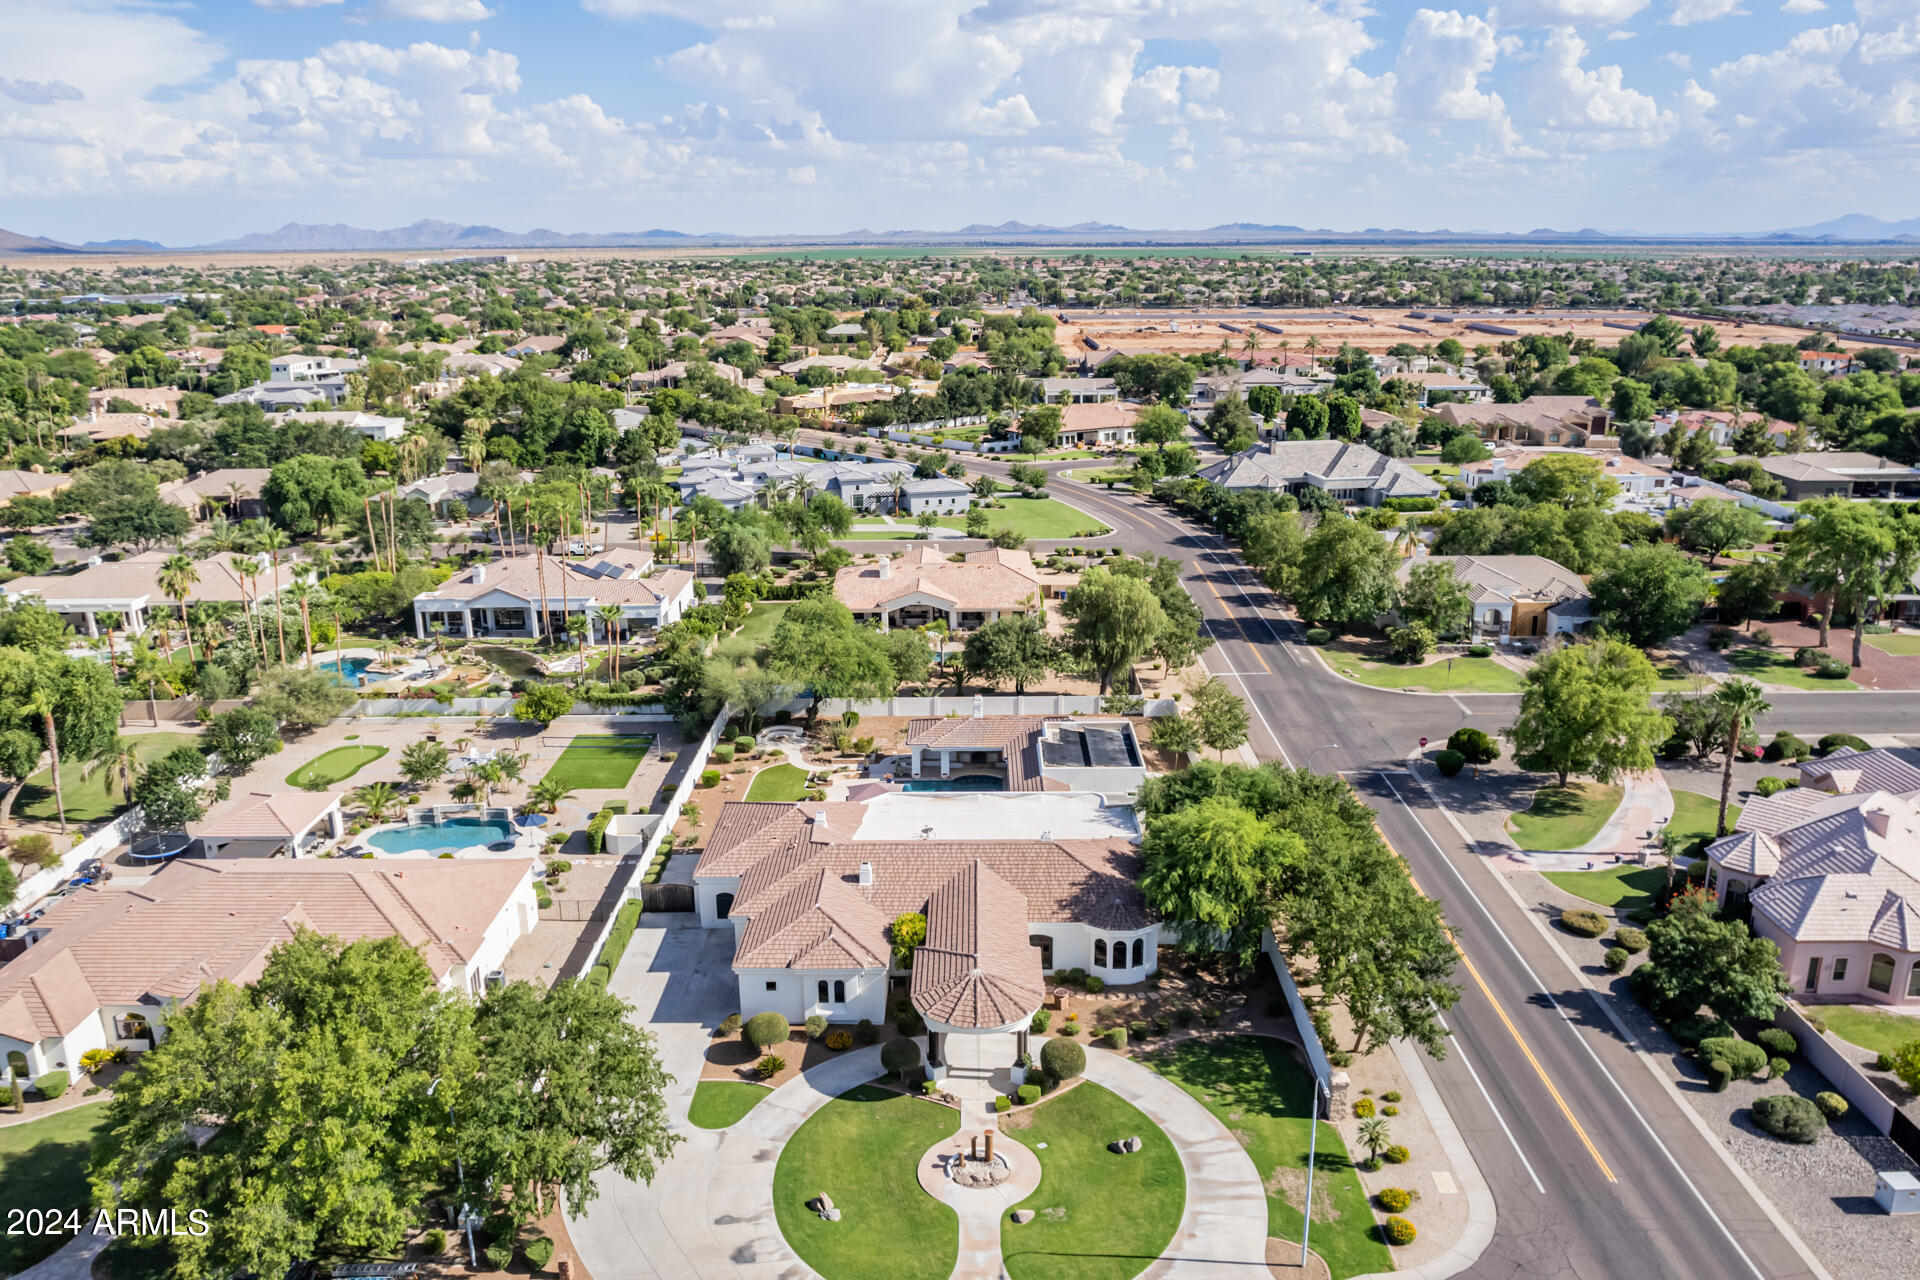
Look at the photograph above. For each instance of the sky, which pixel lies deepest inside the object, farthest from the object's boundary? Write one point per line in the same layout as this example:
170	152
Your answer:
189	123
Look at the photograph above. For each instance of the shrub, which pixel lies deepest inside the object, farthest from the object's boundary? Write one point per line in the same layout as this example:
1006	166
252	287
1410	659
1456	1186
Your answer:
1480	651
1183	1016
1695	1028
744	742
1834	741
1391	1095
1449	763
1630	940
1394	1199
839	1039
1832	1105
723	755
709	777
1002	1103
1771	786
1389	1110
1398	1230
1720	637
866	1033
1396	1154
94	1059
1615	959
1139	1031
1777	1068
1363	1109
1062	1059
1042	1019
764	1030
1162	1024
899	1055
1743	1056
1832	669
434	1242
1762	637
1808	656
907	1020
1069	1028
816	1026
1787	746
1583	923
769	1066
36	849
1778	1041
499	1254
1095	985
1788	1116
1719	1075
1115	1038
1318	635
1476	745
1210	1015
730	1025
1028	1094
539	1252
52	1084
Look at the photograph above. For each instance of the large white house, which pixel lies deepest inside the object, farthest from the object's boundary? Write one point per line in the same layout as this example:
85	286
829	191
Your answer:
131	588
506	597
921	584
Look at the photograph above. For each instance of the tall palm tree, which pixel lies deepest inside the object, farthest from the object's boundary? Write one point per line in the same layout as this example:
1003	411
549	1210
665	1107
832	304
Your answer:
1742	702
40	703
548	793
300	592
610	619
178	577
273	540
579	628
247	570
1313	348
473	443
122	764
151	669
897	489
110	621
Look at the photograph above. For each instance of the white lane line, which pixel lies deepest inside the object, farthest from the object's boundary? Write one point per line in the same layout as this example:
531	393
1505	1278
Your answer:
1579	1039
1502	1120
1463	706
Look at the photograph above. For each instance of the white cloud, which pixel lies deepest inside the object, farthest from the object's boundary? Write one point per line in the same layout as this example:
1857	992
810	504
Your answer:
40	92
1437	76
287	6
1680	60
1554	13
1594	109
1803	6
1688	13
424	11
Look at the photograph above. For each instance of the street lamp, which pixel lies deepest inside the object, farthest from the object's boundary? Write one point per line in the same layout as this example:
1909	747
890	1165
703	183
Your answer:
1325	746
467	1217
1313	1135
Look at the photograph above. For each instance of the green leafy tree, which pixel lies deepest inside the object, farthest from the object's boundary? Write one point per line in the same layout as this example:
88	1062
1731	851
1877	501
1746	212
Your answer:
1695	958
1212	872
422	763
302	698
1272	544
1585	710
243	737
1112	620
141	521
1219	716
819	646
29	555
1854	553
1715	525
1345	575
1159	425
1012	650
542	704
310	492
1434	596
168	789
1747	592
1566	480
1650	594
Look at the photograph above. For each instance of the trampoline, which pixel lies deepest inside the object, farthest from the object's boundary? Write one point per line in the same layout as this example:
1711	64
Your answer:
158	846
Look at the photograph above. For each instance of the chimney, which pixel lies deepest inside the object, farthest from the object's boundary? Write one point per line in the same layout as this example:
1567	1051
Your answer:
479	574
1273	447
979	706
866	875
886	566
1877	820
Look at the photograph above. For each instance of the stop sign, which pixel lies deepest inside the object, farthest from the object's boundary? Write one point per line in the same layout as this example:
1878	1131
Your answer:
1423	742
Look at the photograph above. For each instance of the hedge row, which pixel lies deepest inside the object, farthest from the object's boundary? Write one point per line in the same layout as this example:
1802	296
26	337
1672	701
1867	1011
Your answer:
624	923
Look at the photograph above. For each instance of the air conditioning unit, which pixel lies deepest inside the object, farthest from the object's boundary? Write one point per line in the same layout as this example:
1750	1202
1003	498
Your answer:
496	979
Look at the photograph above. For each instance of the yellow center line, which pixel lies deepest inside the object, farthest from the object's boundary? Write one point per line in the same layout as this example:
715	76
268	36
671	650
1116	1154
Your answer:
1236	621
1520	1040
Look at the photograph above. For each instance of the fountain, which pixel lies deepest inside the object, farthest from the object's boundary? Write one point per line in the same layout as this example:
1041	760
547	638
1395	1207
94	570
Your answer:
978	1168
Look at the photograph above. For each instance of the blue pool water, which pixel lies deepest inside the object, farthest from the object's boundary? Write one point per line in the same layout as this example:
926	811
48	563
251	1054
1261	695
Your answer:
348	669
966	782
455	833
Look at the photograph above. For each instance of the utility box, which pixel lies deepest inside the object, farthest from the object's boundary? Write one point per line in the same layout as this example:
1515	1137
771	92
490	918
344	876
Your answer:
1897	1192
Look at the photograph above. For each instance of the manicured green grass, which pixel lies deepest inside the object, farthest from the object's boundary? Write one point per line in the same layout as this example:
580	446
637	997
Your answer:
780	782
601	761
43	1165
862	1150
1469	675
1771	666
1100	1216
1625	886
1438	470
718	1104
1255	1087
1695	815
1565	817
1900	645
1036	518
336	765
757	630
1872	1029
1674	680
95	796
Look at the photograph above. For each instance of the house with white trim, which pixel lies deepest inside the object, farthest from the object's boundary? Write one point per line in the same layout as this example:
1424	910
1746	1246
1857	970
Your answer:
507	597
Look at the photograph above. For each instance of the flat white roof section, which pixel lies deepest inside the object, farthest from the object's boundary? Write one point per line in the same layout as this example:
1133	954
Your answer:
996	815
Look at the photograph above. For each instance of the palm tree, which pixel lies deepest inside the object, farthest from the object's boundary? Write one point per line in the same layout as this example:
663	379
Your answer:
379	799
247	571
610	618
473	444
548	793
300	592
220	536
40	703
110	622
896	489
122	763
1313	347
151	669
579	628
273	540
1742	702
178	578
1373	1132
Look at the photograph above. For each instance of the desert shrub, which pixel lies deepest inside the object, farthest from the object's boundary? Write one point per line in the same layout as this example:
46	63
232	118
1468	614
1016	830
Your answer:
1772	786
1318	635
539	1252
709	777
1002	1103
1398	1230
723	755
94	1059
1062	1059
1391	1095
1138	1030
1028	1094
1389	1110
499	1254
1115	1038
1778	1041
1834	741
1095	984
1396	1154
1743	1056
816	1026
1832	669
1777	1068
1789	1116
1477	745
838	1039
1630	940
1394	1199
1615	959
764	1030
1720	637
1042	1019
1719	1076
434	1242
1808	656
1162	1024
866	1033
769	1066
1363	1109
899	1055
730	1025
1068	1028
52	1084
1449	762
1787	746
1586	924
1832	1105
744	742
1762	637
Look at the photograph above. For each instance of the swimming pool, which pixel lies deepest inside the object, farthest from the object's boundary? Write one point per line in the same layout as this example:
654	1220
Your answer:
454	833
349	669
965	782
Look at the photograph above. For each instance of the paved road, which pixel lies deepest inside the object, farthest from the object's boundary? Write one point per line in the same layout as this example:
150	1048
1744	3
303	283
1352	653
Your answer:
1597	1169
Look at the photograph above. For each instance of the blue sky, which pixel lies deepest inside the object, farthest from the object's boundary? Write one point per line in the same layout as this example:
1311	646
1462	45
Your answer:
191	122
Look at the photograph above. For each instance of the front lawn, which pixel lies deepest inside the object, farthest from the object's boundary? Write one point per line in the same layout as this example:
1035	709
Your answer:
1454	675
1099	1215
1899	645
1624	887
718	1104
334	766
43	1165
757	630
91	797
1036	518
1254	1086
1696	816
1771	666
1565	817
862	1150
779	782
1873	1029
601	761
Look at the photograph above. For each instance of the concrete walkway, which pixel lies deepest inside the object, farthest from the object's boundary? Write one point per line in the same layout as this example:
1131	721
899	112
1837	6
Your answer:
1646	804
982	1211
72	1261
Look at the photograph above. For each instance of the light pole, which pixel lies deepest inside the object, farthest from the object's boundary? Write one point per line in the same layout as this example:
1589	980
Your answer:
1313	1136
465	1218
1325	746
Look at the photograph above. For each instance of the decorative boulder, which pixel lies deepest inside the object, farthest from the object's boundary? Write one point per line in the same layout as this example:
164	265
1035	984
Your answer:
1132	1144
822	1204
1021	1217
1118	1147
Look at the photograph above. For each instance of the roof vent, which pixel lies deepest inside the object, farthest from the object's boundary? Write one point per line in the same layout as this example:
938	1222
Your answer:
479	574
886	566
866	875
1877	820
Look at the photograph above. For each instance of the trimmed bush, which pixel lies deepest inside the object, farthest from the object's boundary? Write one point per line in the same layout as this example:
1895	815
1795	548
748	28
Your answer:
1834	741
1028	1094
1771	786
1789	1117
1615	959
1042	1019
709	777
1363	1109
1318	635
764	1030
723	755
1695	1028
1391	1095
1786	746
1480	651
52	1084
1477	745
1210	1015
1095	985
744	742
434	1242
730	1025
838	1040
1778	1041
1068	1028
1630	940
1398	1230
1002	1103
1394	1199
1389	1110
1832	669
1808	656
1719	1075
1777	1068
1832	1105
1396	1154
1585	924
499	1254
1449	763
1062	1059
1743	1056
1115	1038
816	1026
866	1033
539	1252
1139	1031
900	1055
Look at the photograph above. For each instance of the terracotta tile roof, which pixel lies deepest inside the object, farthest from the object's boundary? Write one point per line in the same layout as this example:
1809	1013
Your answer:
823	923
266	815
992	579
616	577
138	577
975	732
977	969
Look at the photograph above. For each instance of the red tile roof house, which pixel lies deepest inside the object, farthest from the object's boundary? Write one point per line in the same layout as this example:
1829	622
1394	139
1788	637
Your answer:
505	598
921	584
810	890
108	963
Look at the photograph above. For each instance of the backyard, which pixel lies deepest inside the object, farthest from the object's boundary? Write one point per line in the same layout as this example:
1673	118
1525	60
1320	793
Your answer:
600	761
719	1104
1255	1087
757	630
1565	817
861	1149
43	1165
781	782
334	766
1098	1215
91	794
1873	1029
1457	675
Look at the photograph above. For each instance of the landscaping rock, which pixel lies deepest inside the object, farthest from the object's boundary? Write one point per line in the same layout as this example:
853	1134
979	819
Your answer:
1118	1146
822	1204
1132	1144
831	1215
1021	1217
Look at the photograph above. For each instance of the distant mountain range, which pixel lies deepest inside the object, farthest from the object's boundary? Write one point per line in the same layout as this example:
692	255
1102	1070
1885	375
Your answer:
429	234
